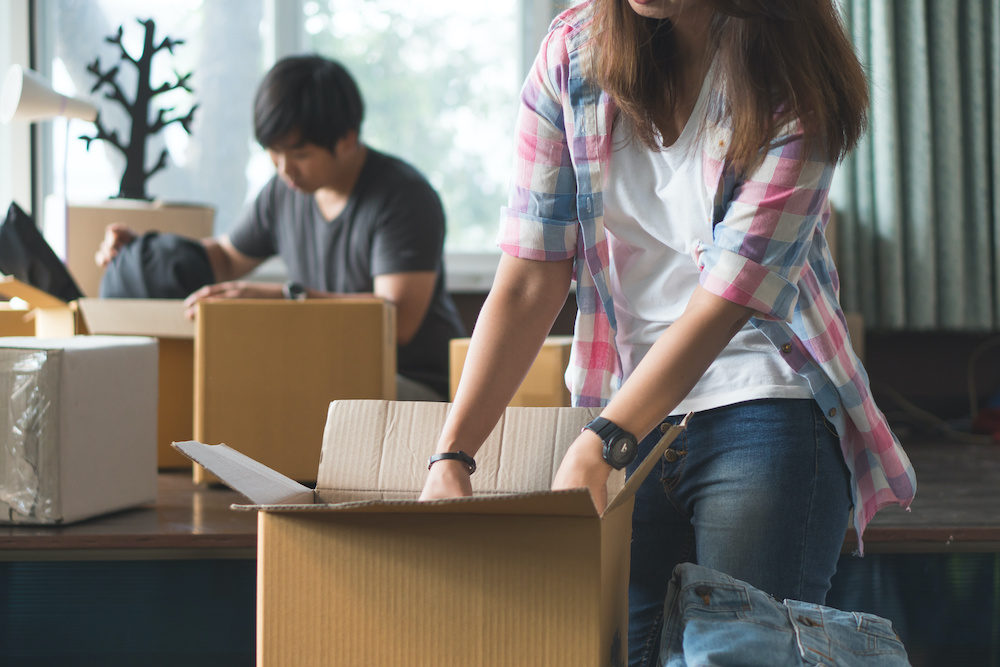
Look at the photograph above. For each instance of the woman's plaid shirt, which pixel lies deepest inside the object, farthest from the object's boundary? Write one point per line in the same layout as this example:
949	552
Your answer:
767	251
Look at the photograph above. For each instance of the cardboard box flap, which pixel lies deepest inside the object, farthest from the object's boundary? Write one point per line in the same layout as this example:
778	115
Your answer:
11	288
570	503
633	482
258	483
385	445
160	318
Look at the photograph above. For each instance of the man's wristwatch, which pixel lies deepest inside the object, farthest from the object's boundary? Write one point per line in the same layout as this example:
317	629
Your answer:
294	291
620	446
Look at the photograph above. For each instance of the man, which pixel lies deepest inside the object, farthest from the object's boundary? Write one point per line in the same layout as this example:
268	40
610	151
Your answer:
344	218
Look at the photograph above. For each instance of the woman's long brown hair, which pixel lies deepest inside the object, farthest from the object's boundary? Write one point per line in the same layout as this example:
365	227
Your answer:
777	59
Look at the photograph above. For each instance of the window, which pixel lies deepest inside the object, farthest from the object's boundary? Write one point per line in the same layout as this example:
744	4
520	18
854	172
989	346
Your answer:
15	162
440	80
225	42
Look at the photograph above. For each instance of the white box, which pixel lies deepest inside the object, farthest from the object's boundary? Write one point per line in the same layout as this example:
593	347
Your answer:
78	430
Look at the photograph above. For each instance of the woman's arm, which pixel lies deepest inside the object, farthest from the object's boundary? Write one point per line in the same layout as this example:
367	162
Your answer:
667	373
524	301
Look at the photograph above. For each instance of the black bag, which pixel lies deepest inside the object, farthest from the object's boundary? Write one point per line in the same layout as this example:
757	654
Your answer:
25	254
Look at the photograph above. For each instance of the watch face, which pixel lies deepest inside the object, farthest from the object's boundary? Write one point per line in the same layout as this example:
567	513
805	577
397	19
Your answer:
294	291
622	451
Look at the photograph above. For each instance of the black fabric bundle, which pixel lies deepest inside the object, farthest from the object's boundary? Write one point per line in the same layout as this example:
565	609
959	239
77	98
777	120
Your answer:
157	266
26	255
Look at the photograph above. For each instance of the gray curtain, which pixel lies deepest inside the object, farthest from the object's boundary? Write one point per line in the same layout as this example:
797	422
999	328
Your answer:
918	208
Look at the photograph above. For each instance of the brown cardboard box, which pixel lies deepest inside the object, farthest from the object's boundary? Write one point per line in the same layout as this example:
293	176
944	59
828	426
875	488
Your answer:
266	370
77	431
543	387
47	316
85	224
359	572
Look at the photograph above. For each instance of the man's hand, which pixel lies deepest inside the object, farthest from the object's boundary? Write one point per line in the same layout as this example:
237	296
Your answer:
584	467
116	237
447	479
236	289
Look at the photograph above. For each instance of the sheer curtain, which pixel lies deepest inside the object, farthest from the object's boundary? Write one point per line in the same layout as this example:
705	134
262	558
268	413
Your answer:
918	204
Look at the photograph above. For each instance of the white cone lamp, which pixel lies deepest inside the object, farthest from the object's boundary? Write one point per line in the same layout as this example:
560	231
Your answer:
28	97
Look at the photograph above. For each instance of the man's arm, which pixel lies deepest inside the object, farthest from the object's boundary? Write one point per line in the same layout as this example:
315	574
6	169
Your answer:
411	292
227	262
228	265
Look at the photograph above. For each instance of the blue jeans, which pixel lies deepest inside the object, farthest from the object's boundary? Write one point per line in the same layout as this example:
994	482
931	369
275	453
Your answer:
757	490
713	619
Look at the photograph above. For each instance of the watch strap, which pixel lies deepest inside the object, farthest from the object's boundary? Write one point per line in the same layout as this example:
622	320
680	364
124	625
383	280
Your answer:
602	427
609	433
453	456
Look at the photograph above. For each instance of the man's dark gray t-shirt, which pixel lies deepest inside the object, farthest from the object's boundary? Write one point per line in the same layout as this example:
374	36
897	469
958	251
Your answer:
393	223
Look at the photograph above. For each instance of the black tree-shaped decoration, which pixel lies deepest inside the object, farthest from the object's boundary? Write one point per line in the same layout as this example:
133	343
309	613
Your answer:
133	185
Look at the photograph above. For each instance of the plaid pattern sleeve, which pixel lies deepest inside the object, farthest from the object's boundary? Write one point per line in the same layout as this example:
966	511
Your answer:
540	221
554	209
768	253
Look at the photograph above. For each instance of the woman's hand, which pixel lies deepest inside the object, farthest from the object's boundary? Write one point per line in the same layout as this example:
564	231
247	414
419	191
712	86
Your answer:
236	289
584	467
116	237
447	479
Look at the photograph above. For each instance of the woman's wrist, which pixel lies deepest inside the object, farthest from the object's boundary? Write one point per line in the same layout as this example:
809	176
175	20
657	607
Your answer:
587	453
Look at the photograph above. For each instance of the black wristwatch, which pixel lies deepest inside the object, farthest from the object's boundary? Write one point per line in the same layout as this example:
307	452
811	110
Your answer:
294	291
620	446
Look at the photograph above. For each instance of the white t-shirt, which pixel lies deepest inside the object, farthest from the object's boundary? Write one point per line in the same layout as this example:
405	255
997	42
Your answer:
656	208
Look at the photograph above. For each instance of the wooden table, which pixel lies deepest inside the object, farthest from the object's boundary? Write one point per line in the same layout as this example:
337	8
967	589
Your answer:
187	521
956	509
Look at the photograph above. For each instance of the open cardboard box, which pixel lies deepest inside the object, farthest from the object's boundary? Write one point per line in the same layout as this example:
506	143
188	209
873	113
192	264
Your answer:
162	319
46	316
359	572
246	371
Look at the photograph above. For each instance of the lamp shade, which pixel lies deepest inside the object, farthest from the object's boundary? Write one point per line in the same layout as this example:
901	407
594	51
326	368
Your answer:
26	96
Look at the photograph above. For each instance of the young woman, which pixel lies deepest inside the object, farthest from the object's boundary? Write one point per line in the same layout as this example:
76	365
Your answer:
674	158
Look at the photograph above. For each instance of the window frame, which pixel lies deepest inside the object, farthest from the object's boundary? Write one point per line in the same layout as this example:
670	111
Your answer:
30	149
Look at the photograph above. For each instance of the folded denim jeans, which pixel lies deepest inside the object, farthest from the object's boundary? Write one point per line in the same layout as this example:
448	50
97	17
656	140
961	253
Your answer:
711	619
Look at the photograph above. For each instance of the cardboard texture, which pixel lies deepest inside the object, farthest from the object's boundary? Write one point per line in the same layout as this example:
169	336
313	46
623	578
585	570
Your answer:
358	572
266	370
544	386
85	224
78	428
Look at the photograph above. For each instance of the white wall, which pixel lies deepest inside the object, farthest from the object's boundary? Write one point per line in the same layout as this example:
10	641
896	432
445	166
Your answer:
15	160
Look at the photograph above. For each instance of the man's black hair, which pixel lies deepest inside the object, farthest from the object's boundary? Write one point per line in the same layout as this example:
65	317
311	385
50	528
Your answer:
311	95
